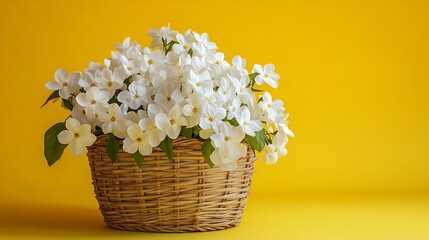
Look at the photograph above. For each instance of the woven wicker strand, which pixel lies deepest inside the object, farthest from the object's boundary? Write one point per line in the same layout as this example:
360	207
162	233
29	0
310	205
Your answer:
183	195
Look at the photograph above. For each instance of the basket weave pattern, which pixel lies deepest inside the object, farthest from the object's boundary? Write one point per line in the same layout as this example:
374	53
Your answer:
182	195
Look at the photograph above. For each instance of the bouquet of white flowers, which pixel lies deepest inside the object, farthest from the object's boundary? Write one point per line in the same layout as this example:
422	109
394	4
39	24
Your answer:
181	85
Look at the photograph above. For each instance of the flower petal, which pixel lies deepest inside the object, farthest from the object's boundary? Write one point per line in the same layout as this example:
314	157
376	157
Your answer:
162	121
215	158
77	148
73	125
145	149
173	131
81	99
228	166
88	140
258	68
53	85
134	131
65	137
130	146
175	112
181	121
61	75
269	68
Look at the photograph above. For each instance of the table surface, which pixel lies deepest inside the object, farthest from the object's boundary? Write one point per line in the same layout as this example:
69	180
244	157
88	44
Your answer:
298	216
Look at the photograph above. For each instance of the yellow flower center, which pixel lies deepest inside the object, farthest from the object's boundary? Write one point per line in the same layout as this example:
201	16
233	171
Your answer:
112	119
76	135
93	101
266	75
139	140
226	138
129	68
150	61
180	75
195	109
172	121
185	47
198	84
211	119
109	84
136	96
64	84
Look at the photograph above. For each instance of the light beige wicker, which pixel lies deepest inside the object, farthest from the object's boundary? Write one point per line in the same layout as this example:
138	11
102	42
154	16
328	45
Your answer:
183	195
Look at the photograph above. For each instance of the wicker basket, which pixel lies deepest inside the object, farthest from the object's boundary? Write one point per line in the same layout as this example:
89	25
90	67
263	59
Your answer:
183	195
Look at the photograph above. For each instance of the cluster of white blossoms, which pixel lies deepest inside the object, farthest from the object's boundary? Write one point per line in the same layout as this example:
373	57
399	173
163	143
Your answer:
181	85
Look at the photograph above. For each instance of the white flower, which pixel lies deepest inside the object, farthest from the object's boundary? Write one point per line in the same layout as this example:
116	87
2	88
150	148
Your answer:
137	140
201	82
148	124
218	62
194	109
184	42
157	35
114	122
249	126
212	116
267	75
110	81
124	46
66	85
171	123
134	97
276	149
228	146
153	60
78	136
270	107
203	39
233	108
226	90
93	99
240	64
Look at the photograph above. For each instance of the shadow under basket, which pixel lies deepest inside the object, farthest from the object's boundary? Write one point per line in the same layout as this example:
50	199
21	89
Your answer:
182	195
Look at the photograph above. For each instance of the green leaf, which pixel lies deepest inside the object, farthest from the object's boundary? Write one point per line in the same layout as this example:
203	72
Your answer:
138	158
112	147
167	146
98	131
53	148
54	95
127	80
255	90
233	122
252	76
207	149
68	104
196	131
258	141
186	132
191	52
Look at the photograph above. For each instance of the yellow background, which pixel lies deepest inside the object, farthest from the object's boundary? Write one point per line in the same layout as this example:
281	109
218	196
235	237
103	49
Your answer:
354	77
